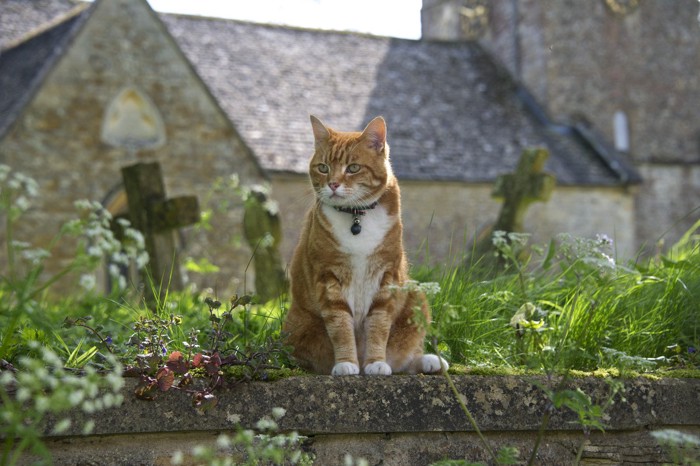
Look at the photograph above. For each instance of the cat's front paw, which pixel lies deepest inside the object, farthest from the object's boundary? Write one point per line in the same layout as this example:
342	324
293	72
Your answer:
430	364
378	368
345	368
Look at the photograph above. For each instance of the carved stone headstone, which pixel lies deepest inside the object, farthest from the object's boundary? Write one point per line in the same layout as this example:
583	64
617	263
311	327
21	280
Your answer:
263	231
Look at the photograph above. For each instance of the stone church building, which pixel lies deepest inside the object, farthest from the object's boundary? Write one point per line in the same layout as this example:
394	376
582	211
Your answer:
86	89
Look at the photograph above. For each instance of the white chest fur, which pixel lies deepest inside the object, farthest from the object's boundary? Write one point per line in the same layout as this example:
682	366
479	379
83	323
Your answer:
366	273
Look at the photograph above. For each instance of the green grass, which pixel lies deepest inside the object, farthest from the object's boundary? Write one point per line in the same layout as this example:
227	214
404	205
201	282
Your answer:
639	317
589	311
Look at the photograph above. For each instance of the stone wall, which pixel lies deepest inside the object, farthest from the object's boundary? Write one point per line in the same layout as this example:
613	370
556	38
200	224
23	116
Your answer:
441	219
398	420
584	60
588	61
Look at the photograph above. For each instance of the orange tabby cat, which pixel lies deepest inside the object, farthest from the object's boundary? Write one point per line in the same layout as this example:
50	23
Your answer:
349	308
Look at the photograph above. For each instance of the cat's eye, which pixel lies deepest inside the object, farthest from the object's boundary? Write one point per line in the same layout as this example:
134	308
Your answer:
353	168
323	168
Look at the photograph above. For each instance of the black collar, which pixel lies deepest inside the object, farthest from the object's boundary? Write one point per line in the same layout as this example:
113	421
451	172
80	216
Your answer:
360	210
356	213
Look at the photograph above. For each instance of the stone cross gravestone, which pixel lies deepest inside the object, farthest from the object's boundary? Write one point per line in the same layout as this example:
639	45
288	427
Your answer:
156	217
528	184
518	190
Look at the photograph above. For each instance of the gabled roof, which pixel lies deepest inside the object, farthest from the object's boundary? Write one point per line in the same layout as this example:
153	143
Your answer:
452	113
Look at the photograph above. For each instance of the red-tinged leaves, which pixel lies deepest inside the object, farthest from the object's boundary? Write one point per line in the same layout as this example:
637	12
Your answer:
176	363
145	390
213	364
198	360
165	378
185	380
204	401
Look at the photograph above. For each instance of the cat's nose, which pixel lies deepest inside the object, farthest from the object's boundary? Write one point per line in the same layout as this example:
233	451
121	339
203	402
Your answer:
333	185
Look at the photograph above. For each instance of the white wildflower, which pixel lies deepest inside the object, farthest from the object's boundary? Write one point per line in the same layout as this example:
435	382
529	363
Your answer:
35	256
177	458
278	413
4	172
271	207
94	251
83	204
62	426
120	258
22	203
88	282
88	427
223	442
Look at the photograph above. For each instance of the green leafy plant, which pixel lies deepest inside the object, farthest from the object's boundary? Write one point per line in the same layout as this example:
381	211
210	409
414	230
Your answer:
24	288
41	388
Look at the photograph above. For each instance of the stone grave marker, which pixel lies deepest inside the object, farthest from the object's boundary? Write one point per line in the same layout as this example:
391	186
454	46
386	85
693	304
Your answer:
263	231
156	217
526	185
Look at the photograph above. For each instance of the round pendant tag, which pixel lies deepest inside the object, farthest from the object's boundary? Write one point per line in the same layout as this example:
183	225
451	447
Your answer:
355	229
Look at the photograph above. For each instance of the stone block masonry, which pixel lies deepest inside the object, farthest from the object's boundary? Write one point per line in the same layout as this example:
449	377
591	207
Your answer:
398	420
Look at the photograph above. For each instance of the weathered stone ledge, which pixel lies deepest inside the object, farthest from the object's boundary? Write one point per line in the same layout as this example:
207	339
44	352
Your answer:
395	420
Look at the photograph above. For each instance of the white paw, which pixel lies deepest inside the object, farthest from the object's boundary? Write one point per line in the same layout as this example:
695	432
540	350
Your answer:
378	368
345	368
430	364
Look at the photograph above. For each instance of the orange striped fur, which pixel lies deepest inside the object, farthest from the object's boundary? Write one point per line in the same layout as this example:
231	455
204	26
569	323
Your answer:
350	311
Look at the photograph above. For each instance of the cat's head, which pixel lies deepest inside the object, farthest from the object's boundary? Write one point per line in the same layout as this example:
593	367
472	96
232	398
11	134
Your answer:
350	169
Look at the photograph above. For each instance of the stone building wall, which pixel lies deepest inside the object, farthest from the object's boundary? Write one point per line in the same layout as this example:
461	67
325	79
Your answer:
441	219
59	139
590	60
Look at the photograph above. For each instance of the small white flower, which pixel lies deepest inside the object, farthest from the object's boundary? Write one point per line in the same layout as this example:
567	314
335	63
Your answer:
271	207
19	245
88	282
41	404
82	204
142	260
114	271
62	426
4	171
23	394
120	258
36	256
266	424
88	427
223	441
278	413
22	204
14	184
76	397
177	458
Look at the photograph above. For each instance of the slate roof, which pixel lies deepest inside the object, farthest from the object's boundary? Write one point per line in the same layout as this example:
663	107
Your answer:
23	66
452	113
21	18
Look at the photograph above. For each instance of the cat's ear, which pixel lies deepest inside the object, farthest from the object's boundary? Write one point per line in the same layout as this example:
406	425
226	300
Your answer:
321	133
375	134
